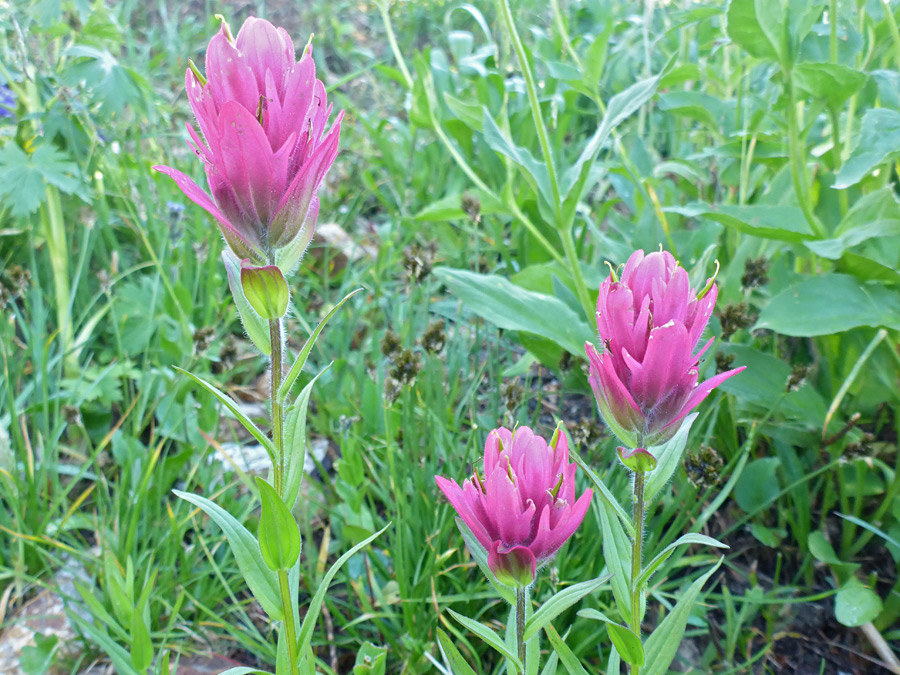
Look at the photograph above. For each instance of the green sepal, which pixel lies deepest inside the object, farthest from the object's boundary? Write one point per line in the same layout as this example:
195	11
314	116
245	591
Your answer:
257	328
266	290
279	536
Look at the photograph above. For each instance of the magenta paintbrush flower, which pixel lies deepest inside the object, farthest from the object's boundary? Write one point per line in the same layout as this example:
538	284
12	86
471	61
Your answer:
522	508
262	116
650	323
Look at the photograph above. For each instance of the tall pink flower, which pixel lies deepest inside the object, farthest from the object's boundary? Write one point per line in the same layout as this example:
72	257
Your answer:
650	323
262	116
522	507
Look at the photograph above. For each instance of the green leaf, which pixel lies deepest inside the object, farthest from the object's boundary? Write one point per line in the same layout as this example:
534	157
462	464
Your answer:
489	636
605	495
297	368
370	660
662	645
534	169
668	458
24	179
778	222
759	27
663	555
569	660
458	664
235	409
119	657
879	141
695	105
856	605
141	645
758	483
621	106
830	82
510	307
305	635
617	553
36	659
112	85
262	581
830	303
560	602
257	328
295	441
874	215
627	644
242	670
476	550
279	536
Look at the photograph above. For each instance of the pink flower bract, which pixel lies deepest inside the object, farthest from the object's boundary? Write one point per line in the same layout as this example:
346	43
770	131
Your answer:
262	116
650	323
522	507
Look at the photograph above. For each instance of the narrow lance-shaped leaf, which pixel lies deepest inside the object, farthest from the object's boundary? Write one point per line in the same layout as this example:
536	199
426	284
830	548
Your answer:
279	536
560	602
295	441
489	636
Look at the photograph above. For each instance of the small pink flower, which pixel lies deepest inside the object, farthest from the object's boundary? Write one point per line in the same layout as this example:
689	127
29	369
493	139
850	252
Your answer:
262	116
650	323
522	507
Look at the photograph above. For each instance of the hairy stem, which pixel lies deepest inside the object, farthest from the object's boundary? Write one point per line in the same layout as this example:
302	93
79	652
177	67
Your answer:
277	342
289	628
636	554
520	623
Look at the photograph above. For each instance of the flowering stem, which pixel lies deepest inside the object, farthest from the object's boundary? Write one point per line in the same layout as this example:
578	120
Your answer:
636	553
289	630
520	623
277	341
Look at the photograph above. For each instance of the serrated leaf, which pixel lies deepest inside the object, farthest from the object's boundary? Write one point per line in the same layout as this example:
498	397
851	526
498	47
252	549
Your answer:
262	581
560	602
662	645
112	85
489	636
24	178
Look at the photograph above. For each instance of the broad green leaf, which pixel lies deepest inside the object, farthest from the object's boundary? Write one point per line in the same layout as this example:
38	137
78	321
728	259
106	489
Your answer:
758	483
257	328
476	550
370	660
668	458
304	636
569	660
879	141
560	602
874	215
295	442
235	409
24	178
510	307
778	222
112	85
855	605
38	658
695	105
627	644
754	26
663	643
663	555
297	368
262	581
279	536
489	636
830	82
830	303
458	664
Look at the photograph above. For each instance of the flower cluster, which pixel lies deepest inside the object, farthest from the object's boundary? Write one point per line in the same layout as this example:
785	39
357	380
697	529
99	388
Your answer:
522	508
650	323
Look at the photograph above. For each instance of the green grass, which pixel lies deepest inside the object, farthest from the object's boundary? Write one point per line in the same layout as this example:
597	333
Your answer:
97	428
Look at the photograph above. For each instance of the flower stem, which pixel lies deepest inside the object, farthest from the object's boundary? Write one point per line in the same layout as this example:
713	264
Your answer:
520	623
277	342
289	629
636	553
